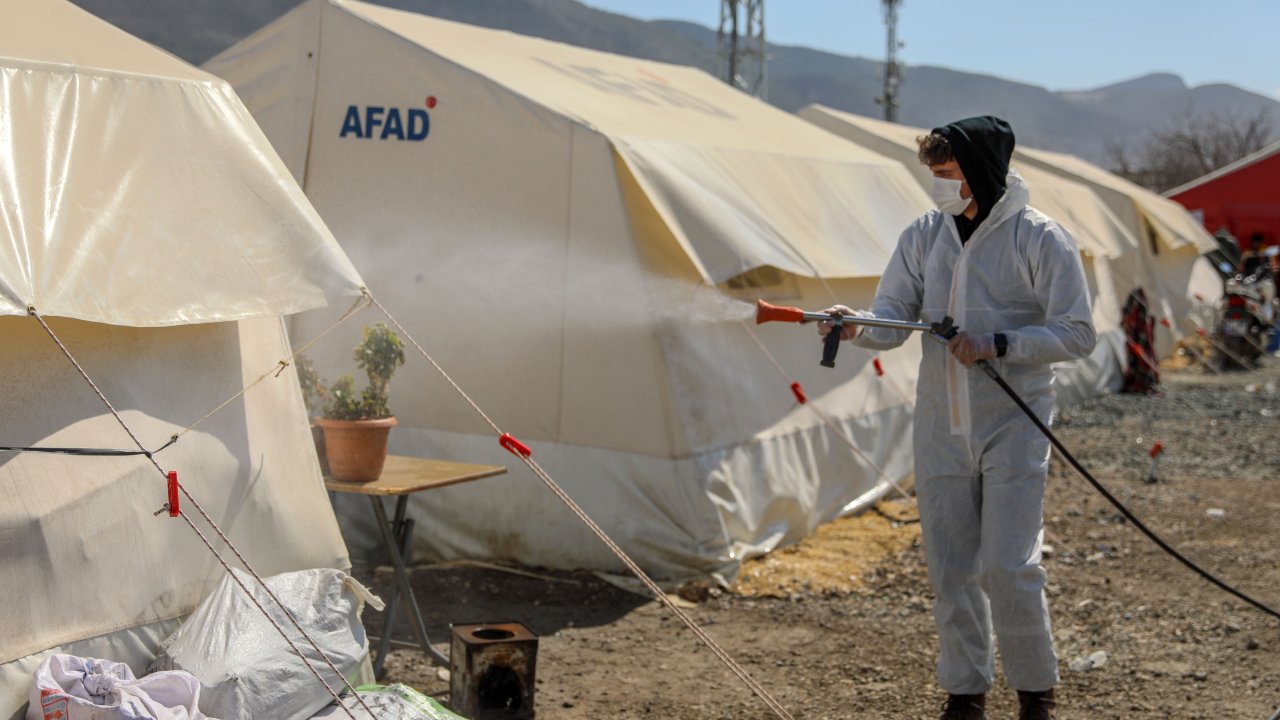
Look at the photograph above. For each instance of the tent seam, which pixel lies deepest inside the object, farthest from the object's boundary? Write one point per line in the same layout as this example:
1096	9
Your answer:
315	100
564	283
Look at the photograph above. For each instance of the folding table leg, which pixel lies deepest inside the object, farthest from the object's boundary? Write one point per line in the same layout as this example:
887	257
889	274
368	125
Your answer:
405	588
402	529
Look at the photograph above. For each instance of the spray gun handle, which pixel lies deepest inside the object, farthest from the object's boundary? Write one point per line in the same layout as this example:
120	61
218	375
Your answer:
831	344
945	328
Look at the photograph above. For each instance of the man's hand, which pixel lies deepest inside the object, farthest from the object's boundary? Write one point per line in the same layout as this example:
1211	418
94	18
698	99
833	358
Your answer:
969	349
847	331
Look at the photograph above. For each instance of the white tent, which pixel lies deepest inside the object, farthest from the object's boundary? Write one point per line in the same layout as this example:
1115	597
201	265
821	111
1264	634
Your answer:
139	198
540	217
1109	251
1181	285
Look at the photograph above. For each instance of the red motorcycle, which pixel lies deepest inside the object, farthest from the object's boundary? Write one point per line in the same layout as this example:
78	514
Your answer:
1246	316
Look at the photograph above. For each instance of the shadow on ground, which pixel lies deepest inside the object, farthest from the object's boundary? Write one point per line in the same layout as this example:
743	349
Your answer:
544	601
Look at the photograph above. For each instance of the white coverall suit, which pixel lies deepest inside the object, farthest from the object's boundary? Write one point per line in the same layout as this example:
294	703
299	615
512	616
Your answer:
981	464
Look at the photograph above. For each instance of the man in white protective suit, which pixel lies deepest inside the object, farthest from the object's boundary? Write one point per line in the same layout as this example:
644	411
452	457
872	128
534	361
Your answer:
1012	279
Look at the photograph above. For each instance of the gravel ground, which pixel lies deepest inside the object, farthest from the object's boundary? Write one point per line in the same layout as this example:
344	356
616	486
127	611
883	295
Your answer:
863	647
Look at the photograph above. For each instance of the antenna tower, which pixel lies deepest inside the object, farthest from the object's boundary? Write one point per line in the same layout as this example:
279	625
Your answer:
740	46
892	68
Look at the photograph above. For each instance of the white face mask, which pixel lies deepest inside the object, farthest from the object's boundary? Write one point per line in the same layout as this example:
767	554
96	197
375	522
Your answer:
946	195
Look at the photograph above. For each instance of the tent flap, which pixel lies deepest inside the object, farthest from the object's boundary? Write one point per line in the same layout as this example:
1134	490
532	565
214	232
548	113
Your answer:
144	198
736	210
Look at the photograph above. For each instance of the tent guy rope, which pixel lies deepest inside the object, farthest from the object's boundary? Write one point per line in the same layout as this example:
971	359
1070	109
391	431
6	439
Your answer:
31	310
507	441
360	304
526	456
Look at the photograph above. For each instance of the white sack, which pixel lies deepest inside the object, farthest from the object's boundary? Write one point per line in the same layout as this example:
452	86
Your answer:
246	669
75	688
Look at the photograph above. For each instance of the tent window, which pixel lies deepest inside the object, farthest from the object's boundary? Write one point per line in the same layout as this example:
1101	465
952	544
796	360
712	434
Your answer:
765	282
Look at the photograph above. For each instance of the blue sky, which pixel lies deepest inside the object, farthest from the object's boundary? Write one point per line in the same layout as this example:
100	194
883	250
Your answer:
1057	44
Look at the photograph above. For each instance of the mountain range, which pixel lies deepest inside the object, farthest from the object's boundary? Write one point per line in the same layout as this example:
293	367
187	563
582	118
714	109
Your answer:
1085	123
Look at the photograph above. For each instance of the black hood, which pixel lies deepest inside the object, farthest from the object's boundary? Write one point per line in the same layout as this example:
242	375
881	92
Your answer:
982	146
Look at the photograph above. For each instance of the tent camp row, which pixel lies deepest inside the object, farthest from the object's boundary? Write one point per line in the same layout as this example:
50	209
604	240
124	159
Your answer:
582	197
575	236
1181	284
547	240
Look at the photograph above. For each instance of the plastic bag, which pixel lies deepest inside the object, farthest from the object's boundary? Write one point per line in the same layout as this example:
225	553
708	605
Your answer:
248	672
390	702
75	688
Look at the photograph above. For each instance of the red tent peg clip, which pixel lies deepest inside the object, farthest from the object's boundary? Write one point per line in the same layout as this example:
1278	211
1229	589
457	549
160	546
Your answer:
875	361
514	446
174	510
798	390
1156	451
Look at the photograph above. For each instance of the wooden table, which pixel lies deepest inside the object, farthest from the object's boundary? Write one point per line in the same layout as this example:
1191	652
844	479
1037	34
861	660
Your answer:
401	477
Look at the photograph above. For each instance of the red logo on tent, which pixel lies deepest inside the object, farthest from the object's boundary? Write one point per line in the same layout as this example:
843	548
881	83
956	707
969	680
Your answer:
656	78
431	101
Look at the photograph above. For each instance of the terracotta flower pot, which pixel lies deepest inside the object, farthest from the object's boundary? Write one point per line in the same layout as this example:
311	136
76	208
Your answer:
356	449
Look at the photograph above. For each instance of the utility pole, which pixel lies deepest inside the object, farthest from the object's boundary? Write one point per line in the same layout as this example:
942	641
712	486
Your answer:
740	46
892	68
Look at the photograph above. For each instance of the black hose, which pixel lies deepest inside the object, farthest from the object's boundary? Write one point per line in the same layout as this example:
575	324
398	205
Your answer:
1022	405
88	452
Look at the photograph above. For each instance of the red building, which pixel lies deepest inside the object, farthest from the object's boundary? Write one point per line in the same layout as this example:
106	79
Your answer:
1243	197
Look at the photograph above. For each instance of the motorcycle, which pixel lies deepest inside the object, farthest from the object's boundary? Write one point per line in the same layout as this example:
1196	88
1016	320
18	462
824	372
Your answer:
1246	315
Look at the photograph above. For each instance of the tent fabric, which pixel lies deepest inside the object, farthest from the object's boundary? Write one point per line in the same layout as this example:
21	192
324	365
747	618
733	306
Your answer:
675	125
1240	198
137	189
135	647
546	240
1181	286
1095	229
1105	245
83	555
1174	228
730	232
152	224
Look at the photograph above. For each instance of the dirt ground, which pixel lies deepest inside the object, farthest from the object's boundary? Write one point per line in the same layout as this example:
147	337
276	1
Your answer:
840	625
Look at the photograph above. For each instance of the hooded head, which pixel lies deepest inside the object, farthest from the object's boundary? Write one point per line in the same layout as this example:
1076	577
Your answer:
982	146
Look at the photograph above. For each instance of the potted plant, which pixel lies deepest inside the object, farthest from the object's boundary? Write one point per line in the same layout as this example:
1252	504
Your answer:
356	424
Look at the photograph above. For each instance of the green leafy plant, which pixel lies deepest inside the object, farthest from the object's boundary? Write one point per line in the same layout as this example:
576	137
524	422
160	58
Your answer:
378	354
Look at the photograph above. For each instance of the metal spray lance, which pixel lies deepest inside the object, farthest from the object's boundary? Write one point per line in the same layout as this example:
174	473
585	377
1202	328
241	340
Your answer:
765	312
